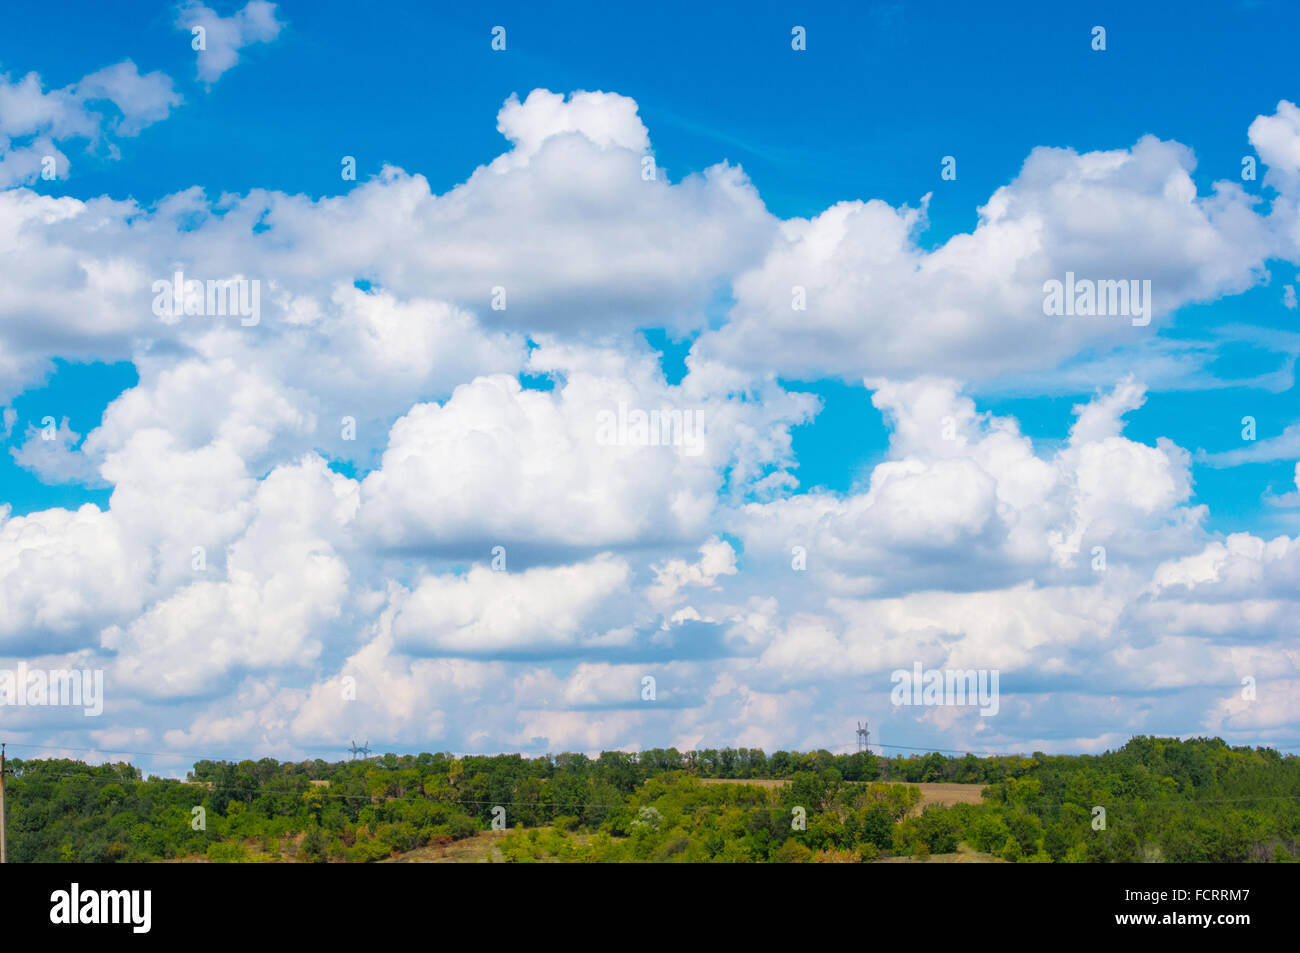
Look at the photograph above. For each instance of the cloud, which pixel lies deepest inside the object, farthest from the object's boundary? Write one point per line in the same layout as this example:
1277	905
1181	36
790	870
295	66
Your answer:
1242	588
62	574
500	465
487	613
281	581
1277	140
568	218
1285	446
33	121
875	301
965	501
55	459
142	100
717	559
224	37
605	119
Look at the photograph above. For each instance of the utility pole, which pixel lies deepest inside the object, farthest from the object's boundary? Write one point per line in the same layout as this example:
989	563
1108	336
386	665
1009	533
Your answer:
3	859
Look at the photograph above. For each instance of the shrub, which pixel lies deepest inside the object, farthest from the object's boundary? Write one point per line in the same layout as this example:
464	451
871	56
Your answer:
225	853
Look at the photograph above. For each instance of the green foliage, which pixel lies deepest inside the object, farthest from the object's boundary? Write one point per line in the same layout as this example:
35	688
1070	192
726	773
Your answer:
1178	801
792	852
227	853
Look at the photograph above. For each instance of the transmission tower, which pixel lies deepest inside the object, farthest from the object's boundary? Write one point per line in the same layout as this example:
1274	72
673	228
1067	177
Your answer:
864	737
357	749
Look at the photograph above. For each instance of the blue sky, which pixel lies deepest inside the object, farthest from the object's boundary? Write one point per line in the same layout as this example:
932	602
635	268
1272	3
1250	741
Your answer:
375	297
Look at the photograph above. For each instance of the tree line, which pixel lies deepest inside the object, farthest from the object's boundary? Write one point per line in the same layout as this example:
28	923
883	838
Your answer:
1158	799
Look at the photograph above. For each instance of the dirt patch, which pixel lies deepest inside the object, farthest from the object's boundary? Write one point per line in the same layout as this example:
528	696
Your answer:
965	855
478	849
